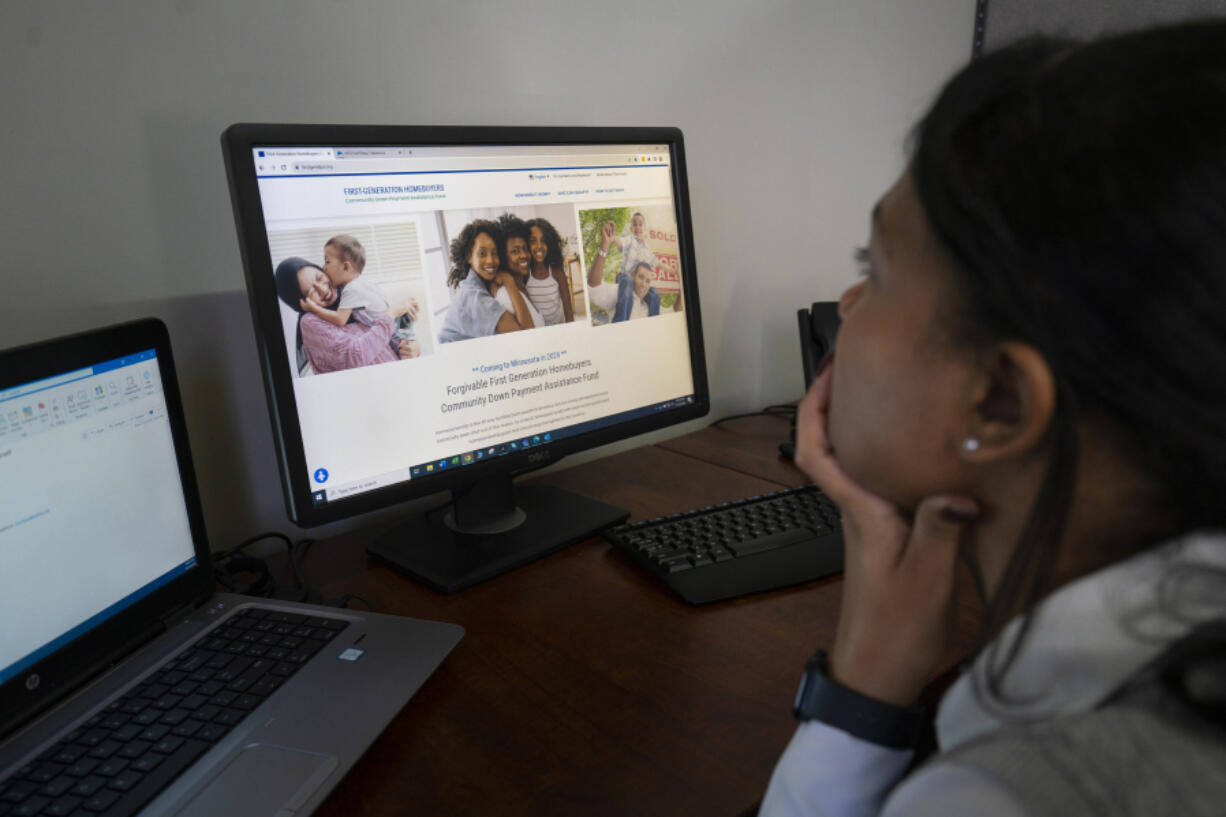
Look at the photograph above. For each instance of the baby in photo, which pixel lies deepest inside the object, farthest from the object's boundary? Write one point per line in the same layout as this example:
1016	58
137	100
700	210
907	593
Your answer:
361	300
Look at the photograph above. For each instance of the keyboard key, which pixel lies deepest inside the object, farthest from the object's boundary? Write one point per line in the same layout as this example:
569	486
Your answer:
210	688
155	691
265	686
219	660
146	764
58	786
101	801
771	541
155	733
229	717
45	772
81	768
63	807
30	807
174	717
223	698
301	655
127	780
185	687
105	749
127	733
188	728
93	737
87	786
111	767
17	791
147	717
247	702
135	749
167	746
212	732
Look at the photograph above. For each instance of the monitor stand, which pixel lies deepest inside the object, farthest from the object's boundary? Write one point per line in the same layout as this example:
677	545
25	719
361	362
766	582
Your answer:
490	528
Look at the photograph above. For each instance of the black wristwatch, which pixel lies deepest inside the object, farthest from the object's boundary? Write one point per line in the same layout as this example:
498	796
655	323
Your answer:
821	698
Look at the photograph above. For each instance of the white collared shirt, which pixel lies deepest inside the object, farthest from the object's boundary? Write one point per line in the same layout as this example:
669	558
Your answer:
1085	641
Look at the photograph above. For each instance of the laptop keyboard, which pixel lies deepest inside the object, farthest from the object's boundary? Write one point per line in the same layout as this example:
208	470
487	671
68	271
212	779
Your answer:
121	758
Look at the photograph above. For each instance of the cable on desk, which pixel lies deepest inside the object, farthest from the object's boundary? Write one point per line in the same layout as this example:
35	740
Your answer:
785	411
343	601
248	575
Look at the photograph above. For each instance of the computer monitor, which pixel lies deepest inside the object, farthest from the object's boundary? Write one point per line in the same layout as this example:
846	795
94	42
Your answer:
442	308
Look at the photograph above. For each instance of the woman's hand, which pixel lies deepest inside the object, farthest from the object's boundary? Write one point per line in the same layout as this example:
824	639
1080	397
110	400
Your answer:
408	306
504	279
409	349
898	586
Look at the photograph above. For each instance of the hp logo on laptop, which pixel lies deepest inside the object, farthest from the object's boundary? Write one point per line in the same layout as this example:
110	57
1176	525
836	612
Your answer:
32	682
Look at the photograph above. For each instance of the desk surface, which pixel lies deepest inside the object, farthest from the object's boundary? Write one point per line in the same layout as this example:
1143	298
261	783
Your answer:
583	686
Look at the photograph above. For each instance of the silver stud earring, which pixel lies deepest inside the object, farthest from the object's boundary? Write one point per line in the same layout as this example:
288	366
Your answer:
970	444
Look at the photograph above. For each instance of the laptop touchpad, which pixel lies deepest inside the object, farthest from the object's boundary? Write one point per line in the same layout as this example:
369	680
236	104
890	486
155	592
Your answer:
262	780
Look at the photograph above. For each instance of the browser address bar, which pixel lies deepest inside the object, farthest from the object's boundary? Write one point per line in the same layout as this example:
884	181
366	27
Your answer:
458	164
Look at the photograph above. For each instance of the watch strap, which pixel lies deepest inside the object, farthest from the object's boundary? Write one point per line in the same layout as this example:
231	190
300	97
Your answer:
821	698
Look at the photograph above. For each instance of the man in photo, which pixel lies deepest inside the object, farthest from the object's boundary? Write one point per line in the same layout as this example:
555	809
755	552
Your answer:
631	295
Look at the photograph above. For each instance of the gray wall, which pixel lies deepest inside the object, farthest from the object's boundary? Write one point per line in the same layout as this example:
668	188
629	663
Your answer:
114	200
1009	20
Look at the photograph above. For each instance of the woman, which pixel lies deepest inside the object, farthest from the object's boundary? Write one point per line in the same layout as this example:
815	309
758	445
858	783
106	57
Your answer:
547	286
475	273
1031	377
331	348
513	251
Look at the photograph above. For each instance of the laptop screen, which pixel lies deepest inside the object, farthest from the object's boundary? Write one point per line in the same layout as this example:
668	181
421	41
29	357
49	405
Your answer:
92	516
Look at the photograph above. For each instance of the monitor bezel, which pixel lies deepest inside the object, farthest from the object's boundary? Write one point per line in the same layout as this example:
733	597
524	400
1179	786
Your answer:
238	144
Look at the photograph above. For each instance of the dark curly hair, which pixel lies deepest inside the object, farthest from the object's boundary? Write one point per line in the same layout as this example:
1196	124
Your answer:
553	241
512	227
462	247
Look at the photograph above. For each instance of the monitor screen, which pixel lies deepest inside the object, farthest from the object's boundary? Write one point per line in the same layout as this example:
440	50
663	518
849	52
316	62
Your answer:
438	305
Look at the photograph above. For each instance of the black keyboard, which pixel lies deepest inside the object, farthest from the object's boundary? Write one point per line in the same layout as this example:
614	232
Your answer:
121	758
736	548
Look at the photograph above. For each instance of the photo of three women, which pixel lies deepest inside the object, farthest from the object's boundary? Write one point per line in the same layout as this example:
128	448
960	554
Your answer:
506	276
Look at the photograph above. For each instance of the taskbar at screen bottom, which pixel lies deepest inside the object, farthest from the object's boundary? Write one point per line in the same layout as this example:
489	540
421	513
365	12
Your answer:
449	463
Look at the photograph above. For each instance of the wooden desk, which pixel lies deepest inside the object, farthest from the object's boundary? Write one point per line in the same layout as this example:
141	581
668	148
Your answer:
582	685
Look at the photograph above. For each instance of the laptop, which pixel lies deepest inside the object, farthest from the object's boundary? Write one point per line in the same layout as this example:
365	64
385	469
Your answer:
127	686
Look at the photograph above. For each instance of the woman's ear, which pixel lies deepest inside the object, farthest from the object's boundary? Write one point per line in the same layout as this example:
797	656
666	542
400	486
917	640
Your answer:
1013	401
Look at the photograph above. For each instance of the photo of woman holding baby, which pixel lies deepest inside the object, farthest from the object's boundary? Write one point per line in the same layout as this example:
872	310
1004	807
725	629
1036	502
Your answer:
328	347
477	276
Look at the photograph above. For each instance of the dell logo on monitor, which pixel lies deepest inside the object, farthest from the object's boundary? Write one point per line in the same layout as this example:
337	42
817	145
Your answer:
32	682
538	456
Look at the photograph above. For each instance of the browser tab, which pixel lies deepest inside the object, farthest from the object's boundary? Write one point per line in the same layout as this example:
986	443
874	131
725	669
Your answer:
370	153
294	153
